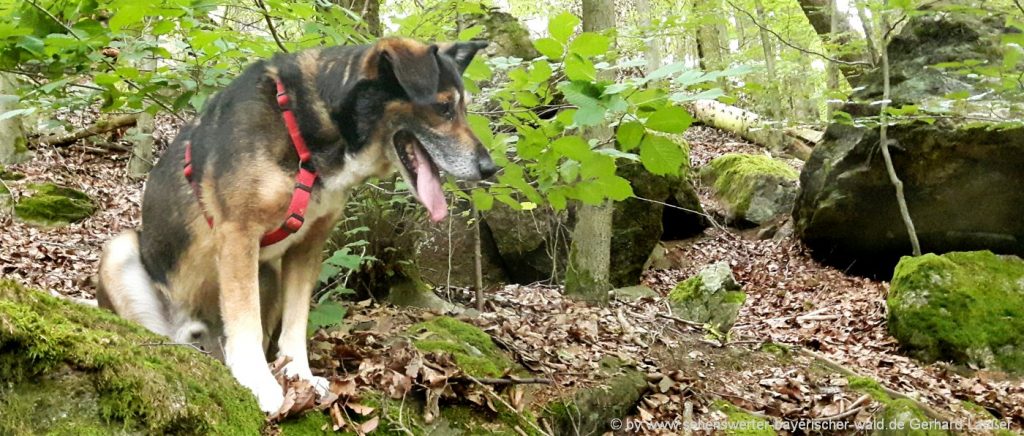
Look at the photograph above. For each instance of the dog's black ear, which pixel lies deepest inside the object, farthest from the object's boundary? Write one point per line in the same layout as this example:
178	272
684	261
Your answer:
462	52
413	67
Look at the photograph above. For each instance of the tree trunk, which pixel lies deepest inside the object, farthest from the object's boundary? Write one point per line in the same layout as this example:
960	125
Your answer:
142	152
368	10
832	69
712	38
587	276
769	62
868	28
12	134
818	13
752	127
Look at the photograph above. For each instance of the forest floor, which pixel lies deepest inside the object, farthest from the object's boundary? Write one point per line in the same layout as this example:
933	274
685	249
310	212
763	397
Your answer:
830	325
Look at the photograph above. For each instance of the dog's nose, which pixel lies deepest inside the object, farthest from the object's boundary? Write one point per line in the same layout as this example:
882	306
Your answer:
485	163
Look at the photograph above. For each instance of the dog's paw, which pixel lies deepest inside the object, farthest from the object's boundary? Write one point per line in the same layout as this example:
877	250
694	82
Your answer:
294	368
268	391
269	396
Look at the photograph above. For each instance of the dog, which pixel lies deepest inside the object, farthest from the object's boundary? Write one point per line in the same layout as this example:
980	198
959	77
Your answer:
236	212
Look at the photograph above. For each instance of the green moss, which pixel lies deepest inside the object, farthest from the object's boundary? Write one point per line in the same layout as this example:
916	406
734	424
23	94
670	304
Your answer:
54	205
740	178
903	417
965	307
871	387
742	423
686	290
588	411
85	368
310	423
472	348
6	174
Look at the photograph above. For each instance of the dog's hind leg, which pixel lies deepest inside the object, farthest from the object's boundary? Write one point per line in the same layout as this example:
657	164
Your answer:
127	289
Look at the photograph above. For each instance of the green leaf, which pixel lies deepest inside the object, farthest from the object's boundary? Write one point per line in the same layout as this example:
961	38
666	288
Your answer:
482	200
540	72
589	44
629	135
579	68
562	26
32	44
326	314
958	95
550	48
470	33
589	116
669	119
481	126
127	15
572	147
661	155
163	27
666	71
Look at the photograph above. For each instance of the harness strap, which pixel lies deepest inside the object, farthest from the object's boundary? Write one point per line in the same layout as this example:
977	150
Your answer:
304	179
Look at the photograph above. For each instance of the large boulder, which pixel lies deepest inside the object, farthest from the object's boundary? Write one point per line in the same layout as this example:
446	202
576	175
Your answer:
965	307
752	189
69	369
939	53
533	244
964	187
711	297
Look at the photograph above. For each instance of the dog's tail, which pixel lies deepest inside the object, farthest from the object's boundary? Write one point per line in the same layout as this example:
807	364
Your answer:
126	289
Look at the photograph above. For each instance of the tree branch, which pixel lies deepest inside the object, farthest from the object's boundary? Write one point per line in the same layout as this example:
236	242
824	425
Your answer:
108	64
99	127
791	45
270	25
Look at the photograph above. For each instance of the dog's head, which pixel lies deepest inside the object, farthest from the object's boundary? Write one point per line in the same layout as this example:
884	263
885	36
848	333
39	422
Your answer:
425	119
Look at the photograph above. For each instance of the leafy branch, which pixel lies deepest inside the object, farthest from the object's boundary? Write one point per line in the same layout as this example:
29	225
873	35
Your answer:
791	45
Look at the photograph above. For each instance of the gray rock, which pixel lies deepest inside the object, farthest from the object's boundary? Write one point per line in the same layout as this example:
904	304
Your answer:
711	297
633	293
964	188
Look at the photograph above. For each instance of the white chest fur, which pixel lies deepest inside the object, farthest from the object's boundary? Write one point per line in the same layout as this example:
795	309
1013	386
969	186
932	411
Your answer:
330	195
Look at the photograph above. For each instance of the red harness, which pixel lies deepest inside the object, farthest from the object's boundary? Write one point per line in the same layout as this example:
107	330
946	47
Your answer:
304	179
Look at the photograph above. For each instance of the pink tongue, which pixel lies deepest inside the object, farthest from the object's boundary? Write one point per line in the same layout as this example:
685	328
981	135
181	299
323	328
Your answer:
428	187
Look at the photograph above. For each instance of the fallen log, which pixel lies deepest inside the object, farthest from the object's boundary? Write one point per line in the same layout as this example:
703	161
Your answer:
100	127
750	126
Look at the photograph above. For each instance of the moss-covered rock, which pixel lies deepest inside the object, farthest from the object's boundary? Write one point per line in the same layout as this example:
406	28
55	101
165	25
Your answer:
965	307
52	205
472	348
741	423
590	410
753	188
902	417
66	366
711	297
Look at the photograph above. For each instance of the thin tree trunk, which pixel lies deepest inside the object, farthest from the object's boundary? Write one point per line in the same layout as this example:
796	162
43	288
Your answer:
884	143
832	68
769	62
869	32
817	12
12	133
587	277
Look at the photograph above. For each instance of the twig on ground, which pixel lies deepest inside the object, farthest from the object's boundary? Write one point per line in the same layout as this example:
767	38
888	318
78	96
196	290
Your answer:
503	381
490	392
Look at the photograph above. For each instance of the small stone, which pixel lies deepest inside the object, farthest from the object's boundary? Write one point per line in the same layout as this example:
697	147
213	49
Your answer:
711	297
633	293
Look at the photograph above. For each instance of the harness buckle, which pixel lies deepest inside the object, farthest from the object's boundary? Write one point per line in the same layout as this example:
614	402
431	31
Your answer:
293	223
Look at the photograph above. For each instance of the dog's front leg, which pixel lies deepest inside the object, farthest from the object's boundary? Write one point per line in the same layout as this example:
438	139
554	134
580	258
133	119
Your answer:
300	268
238	270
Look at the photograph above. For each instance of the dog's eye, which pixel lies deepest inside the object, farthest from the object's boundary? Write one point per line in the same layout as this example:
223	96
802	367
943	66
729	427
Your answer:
446	108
